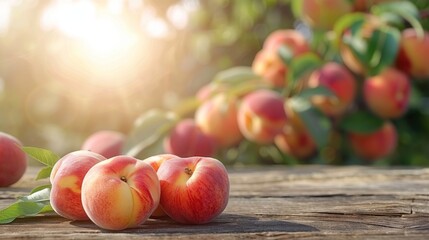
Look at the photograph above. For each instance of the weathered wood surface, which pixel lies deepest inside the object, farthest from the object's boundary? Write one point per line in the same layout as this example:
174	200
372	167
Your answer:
311	202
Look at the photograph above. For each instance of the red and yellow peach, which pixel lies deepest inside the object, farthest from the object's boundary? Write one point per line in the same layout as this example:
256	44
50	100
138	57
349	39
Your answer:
387	94
66	179
120	192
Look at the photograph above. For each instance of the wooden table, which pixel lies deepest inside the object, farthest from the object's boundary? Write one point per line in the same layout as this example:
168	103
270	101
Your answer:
310	202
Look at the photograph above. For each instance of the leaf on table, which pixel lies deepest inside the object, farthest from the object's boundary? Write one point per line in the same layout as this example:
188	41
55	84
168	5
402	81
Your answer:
41	187
44	156
33	204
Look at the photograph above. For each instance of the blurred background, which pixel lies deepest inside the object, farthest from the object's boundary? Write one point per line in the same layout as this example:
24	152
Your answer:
71	67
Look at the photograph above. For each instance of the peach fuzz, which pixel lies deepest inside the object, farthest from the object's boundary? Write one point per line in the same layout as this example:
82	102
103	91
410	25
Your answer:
217	117
105	142
413	53
120	192
375	145
195	190
323	14
340	81
155	162
13	160
261	116
388	93
66	179
187	139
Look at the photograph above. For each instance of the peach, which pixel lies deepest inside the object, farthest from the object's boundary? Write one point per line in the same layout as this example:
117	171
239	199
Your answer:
267	62
155	162
66	179
366	31
195	190
270	67
323	14
187	139
295	140
13	160
375	145
261	116
120	192
413	52
106	142
217	117
388	93
340	81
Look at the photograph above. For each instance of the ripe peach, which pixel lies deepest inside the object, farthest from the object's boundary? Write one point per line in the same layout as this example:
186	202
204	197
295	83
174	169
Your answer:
267	62
13	160
413	52
323	14
388	93
295	142
66	179
187	139
366	32
288	37
270	67
295	139
261	116
340	81
195	190
155	162
217	117
375	145
106	142
120	192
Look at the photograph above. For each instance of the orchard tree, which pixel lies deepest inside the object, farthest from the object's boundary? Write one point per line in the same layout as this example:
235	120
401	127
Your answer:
346	86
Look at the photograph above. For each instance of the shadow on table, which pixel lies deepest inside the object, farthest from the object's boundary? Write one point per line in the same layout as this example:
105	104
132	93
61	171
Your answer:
226	223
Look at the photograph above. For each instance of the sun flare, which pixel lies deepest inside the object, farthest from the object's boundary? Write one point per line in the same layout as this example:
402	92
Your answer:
105	40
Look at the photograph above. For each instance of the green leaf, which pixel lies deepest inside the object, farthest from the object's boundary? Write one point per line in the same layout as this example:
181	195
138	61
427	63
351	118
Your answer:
383	47
39	196
318	125
319	90
296	6
44	173
235	75
405	9
186	106
302	66
361	122
286	54
41	187
148	129
348	22
35	203
42	155
22	209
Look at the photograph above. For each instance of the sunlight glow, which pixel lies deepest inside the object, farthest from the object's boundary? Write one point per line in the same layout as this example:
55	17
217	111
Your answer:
106	42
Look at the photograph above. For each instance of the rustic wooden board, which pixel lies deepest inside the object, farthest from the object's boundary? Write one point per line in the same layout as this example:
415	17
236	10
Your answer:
311	202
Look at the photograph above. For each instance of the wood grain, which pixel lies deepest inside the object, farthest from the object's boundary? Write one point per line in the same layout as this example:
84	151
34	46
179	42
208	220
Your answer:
307	202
